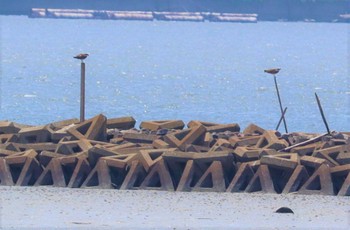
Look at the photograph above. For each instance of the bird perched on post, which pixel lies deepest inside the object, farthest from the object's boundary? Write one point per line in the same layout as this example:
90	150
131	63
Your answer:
272	71
81	56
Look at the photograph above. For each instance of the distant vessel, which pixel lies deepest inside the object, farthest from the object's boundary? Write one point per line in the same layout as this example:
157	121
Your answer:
268	10
142	15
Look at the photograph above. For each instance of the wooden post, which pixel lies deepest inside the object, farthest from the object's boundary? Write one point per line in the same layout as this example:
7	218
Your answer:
82	92
279	100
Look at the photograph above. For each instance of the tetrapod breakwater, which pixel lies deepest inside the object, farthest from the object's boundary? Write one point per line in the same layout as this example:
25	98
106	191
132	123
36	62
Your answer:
166	155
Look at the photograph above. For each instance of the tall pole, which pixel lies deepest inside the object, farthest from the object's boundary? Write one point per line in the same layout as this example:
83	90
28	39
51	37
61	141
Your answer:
82	85
279	100
82	92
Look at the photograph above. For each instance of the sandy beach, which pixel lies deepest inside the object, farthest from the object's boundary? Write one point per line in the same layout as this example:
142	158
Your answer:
64	208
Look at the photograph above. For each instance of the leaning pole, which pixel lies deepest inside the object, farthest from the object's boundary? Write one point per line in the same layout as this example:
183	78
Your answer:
280	103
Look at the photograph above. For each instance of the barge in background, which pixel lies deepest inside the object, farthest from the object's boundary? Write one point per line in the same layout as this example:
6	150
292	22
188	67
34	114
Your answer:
142	15
268	10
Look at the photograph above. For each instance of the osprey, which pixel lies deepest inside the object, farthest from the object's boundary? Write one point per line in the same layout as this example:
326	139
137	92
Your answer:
81	56
272	71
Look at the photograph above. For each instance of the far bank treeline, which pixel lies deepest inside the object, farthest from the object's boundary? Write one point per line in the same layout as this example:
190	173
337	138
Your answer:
268	10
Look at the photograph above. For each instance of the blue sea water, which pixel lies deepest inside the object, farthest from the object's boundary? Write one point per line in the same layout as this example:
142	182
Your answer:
155	70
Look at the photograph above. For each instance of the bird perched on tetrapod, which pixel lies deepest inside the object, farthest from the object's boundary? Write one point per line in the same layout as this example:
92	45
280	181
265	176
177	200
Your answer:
81	56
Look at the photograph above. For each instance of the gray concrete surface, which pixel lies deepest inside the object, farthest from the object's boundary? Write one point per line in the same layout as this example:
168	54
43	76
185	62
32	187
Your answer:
63	208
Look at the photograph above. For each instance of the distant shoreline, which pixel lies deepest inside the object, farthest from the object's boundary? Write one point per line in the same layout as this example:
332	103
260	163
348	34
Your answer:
273	10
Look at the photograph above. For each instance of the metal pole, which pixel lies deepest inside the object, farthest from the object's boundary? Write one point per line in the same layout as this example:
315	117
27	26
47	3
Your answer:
82	92
279	100
279	122
322	114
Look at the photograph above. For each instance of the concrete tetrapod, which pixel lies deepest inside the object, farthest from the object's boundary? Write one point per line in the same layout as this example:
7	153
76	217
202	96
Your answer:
110	153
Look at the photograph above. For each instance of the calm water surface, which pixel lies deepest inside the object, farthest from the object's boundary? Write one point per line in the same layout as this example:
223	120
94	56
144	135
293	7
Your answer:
175	70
